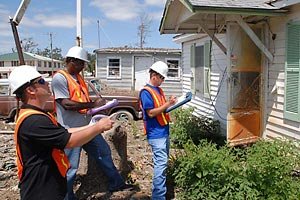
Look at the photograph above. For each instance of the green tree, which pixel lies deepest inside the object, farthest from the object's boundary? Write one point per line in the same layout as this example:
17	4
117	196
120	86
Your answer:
56	53
91	64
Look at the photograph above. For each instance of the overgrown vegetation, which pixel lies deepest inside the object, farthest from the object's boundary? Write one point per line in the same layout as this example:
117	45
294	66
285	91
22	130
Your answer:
205	170
187	127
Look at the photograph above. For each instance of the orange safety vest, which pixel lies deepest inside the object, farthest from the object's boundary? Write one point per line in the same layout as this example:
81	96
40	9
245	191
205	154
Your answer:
58	155
159	99
78	91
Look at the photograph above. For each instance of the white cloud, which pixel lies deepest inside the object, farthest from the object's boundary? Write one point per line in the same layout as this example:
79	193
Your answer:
6	46
156	15
59	21
121	10
5	28
29	22
160	3
90	46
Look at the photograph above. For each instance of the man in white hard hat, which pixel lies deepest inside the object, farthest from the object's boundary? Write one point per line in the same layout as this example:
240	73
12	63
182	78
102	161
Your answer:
72	101
40	140
156	125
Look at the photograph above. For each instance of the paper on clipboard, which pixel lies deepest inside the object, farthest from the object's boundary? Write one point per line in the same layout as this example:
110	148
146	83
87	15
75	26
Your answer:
181	101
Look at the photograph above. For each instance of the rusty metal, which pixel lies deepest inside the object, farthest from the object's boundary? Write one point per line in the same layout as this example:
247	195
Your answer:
244	117
17	41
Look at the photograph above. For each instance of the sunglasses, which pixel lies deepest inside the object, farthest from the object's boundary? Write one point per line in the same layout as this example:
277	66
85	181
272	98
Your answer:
79	62
161	77
40	81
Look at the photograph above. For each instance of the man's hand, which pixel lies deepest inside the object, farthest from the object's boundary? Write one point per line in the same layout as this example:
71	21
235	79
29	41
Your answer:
172	100
105	124
99	102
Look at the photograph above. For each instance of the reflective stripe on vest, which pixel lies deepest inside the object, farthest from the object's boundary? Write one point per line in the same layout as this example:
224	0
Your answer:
58	155
78	91
159	99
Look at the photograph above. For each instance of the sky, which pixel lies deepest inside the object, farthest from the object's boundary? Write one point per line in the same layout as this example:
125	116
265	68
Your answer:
118	23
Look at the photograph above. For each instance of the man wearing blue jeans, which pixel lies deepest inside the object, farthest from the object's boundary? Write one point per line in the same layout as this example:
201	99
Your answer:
156	125
72	101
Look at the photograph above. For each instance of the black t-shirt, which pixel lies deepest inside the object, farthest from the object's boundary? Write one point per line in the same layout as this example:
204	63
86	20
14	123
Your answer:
37	137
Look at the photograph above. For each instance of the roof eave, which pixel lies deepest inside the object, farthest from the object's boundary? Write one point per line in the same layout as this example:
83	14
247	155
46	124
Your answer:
240	11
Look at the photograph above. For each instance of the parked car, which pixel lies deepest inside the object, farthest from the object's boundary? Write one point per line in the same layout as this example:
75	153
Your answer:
127	108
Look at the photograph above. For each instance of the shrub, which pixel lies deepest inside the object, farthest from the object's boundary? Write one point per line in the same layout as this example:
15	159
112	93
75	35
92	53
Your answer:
187	127
262	171
269	167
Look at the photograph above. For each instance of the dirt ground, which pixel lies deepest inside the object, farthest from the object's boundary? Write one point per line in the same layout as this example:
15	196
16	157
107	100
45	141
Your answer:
87	184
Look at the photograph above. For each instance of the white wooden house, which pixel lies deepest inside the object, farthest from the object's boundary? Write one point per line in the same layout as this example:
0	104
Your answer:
241	59
44	64
127	68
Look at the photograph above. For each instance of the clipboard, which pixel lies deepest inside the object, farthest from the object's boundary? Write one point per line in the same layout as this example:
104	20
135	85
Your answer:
109	104
181	101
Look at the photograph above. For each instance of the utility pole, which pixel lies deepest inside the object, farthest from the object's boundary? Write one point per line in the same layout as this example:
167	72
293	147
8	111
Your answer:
51	53
98	33
79	24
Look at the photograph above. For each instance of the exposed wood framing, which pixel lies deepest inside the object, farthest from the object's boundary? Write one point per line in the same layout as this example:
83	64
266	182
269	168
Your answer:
253	37
212	36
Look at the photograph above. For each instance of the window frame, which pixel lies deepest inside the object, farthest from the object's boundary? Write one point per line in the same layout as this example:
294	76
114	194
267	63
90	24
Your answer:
108	67
291	110
207	68
206	45
178	69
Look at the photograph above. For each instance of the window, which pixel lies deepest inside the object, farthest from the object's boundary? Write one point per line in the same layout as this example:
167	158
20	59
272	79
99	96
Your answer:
292	71
39	63
114	68
173	68
45	64
207	68
4	90
14	63
1	63
30	62
200	66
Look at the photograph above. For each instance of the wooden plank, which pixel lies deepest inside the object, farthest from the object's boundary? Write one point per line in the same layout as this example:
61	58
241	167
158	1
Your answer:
213	37
254	37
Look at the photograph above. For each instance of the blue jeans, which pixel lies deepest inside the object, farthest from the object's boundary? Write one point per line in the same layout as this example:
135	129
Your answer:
160	150
100	151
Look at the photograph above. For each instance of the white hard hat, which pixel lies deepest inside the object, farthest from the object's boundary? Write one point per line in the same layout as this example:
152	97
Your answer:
22	75
160	67
77	52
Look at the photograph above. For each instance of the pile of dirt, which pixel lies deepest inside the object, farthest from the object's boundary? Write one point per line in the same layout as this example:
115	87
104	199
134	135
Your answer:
107	90
138	158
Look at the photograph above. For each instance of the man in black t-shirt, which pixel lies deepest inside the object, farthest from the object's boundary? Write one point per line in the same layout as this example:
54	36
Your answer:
40	140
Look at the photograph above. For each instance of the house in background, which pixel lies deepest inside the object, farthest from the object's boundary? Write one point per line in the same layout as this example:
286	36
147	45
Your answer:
241	59
44	64
127	68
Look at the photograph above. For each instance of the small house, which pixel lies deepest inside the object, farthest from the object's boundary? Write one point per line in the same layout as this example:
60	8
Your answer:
127	68
241	60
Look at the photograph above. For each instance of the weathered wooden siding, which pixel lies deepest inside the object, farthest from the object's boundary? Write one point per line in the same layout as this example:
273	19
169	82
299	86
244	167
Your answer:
170	86
276	125
126	70
218	65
